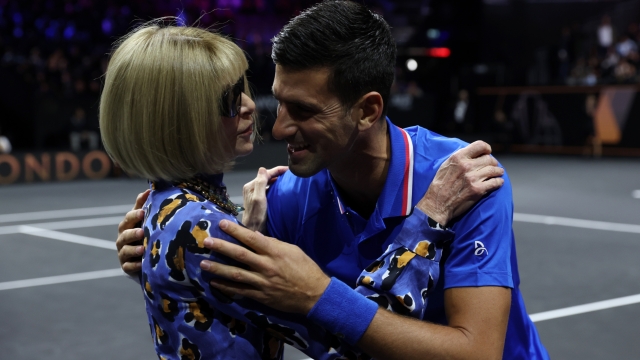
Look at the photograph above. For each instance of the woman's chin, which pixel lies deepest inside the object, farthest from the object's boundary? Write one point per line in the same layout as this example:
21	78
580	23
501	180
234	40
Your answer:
244	150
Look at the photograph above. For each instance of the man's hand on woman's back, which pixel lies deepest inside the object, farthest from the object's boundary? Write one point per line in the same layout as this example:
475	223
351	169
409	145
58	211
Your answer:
129	236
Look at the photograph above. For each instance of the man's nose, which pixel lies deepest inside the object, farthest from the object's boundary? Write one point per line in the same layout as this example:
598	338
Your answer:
284	126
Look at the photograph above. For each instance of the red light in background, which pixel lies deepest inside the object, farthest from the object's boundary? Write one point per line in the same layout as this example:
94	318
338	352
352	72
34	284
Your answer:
441	52
438	52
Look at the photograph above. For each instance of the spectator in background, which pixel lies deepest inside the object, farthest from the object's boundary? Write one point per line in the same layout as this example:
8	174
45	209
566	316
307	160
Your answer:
605	35
564	60
625	72
625	46
501	127
5	144
81	132
609	63
579	73
461	111
593	144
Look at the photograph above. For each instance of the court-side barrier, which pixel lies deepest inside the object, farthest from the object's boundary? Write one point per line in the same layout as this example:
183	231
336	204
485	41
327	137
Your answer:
552	119
50	166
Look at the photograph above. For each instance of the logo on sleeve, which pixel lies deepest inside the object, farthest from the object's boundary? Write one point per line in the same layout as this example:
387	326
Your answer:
480	249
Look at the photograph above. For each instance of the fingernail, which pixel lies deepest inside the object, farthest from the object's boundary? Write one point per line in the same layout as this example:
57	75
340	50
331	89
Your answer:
224	224
208	242
140	233
140	214
139	250
204	265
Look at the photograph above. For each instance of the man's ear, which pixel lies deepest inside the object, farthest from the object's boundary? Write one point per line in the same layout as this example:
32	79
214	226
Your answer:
368	110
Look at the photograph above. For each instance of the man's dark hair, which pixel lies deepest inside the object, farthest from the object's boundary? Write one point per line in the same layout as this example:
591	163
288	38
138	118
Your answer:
345	37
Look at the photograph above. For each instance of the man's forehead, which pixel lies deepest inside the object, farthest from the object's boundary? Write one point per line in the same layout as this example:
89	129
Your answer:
309	84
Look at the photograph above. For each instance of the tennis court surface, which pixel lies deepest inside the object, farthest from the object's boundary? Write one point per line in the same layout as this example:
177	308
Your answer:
577	226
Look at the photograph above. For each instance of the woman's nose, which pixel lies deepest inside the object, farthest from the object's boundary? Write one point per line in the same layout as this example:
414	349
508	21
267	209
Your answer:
248	107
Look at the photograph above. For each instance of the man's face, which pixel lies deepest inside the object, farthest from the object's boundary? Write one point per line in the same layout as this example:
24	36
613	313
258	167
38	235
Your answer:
312	120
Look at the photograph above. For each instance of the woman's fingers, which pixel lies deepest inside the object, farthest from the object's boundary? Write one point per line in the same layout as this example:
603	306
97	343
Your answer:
277	171
489	172
260	184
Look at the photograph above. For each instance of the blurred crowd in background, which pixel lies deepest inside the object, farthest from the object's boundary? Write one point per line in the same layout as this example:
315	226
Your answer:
54	52
608	56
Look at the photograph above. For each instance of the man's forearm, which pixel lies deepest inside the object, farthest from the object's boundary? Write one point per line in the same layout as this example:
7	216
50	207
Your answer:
476	329
392	336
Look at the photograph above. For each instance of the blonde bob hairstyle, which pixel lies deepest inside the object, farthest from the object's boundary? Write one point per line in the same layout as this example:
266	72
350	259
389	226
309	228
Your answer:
160	109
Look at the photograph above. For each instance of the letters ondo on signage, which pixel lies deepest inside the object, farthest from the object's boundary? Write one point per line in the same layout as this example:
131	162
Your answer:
54	166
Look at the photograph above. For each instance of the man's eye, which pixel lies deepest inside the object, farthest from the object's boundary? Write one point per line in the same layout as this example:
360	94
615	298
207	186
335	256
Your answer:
302	113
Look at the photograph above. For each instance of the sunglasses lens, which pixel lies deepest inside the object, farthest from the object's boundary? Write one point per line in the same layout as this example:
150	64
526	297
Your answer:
232	99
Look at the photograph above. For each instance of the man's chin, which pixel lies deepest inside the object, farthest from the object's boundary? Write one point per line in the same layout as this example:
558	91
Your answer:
303	170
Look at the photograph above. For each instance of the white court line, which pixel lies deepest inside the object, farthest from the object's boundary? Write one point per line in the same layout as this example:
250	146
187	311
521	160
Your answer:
69	224
59	214
581	309
72	238
517	217
50	280
80	212
578	223
77	224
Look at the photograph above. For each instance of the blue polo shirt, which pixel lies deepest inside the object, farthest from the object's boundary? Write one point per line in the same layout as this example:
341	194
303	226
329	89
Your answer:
310	213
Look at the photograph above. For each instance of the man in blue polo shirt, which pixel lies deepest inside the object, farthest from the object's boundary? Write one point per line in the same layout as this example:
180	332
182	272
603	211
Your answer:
352	168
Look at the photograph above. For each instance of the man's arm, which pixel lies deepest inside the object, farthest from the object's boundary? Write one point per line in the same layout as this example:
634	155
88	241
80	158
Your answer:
477	318
283	277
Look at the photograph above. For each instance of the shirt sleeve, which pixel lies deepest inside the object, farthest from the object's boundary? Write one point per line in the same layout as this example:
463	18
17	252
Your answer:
480	254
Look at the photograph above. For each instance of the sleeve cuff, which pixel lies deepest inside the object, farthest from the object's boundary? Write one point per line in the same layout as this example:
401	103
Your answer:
419	225
343	312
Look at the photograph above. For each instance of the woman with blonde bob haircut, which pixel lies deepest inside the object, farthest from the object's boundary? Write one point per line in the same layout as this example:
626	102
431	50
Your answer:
175	110
159	114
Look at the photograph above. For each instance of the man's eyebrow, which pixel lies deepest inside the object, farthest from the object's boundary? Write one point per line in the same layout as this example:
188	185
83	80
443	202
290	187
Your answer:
308	105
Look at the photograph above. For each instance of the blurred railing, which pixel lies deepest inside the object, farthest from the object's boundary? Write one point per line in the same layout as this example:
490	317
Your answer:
603	120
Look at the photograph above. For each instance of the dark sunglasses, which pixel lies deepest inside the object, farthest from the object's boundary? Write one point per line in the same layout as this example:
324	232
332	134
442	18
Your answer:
231	100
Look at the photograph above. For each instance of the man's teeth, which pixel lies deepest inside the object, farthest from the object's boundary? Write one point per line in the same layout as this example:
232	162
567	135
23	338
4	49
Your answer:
295	148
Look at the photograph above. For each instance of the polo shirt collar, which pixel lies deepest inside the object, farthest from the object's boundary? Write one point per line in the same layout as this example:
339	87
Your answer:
396	197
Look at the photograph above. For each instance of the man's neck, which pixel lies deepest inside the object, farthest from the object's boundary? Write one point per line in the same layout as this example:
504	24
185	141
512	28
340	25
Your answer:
361	176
